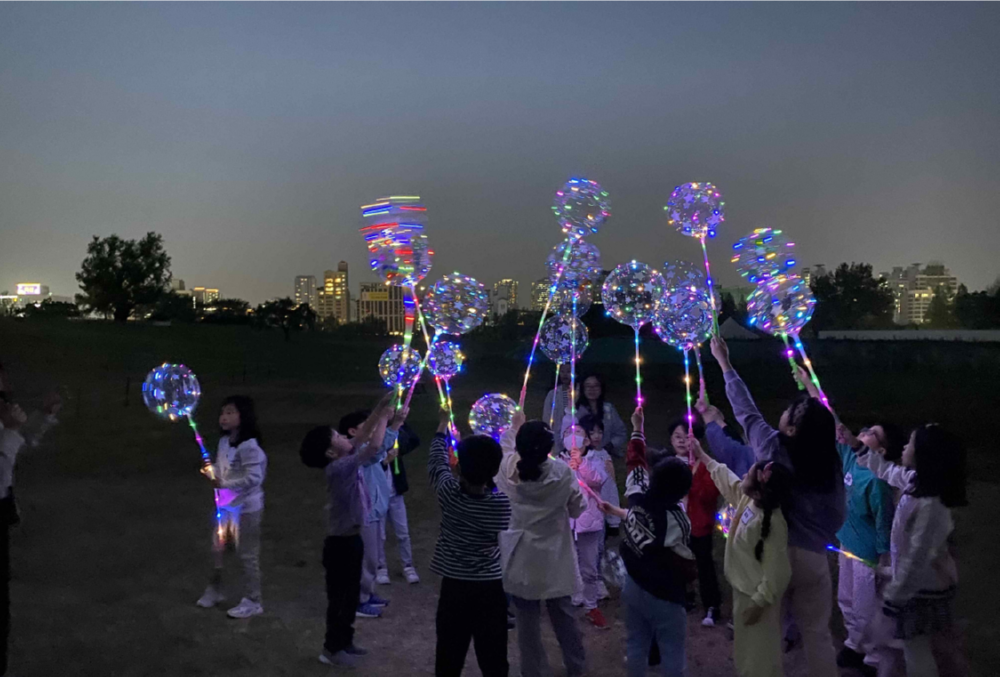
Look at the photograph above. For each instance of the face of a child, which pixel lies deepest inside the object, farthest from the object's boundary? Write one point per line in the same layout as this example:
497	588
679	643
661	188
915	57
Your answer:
574	438
873	438
340	445
229	418
679	441
591	388
909	452
596	437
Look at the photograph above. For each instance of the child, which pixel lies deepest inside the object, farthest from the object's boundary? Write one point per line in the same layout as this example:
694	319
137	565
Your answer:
756	563
866	535
341	459
472	605
588	528
657	558
702	506
920	598
370	605
240	467
538	560
594	430
805	443
395	471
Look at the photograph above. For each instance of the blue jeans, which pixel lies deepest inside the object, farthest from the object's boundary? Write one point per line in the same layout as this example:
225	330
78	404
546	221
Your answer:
648	618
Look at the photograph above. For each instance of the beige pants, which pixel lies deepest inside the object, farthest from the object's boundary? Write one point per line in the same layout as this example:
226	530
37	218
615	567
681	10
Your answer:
810	598
757	647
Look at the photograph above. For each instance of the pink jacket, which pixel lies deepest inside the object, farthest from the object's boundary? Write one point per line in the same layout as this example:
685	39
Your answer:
591	474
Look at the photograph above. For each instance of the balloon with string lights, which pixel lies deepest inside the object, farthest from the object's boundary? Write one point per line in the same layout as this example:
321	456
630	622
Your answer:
682	275
582	207
697	210
456	304
579	262
568	302
763	254
561	342
630	294
445	359
399	366
492	414
172	391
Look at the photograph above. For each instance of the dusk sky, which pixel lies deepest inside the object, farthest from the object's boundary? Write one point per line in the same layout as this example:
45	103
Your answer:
249	134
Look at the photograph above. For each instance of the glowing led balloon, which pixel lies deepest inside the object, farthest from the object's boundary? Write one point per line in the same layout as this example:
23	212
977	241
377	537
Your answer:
562	301
491	415
445	359
763	254
581	206
782	305
631	292
696	209
456	304
171	391
398	249
393	371
557	338
579	269
684	318
683	275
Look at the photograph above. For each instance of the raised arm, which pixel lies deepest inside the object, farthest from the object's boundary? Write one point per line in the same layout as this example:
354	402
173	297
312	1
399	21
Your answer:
726	481
895	475
437	464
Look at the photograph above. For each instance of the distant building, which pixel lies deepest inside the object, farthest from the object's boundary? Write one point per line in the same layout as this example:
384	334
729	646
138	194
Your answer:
810	274
32	292
383	302
540	293
598	287
305	291
334	300
506	290
914	287
205	295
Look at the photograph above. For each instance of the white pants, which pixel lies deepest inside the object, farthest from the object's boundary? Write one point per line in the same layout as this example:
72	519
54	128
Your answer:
858	603
587	545
397	517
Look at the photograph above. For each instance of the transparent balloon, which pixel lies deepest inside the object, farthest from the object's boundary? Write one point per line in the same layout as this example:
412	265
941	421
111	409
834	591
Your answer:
696	210
171	391
491	415
394	371
400	257
445	359
631	292
582	207
763	254
683	275
781	305
456	304
562	301
684	318
556	339
579	261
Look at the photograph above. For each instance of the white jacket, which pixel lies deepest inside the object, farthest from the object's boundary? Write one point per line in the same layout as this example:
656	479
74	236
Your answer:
241	471
537	553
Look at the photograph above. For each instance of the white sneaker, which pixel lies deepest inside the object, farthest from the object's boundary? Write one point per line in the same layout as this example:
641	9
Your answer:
411	575
382	577
577	600
210	598
602	590
245	609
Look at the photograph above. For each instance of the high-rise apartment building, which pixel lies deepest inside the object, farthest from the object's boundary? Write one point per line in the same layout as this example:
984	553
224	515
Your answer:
383	302
204	295
914	287
334	300
809	274
305	291
506	290
540	293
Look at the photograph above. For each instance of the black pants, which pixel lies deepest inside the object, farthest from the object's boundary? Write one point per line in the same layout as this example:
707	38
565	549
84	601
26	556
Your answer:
708	580
471	611
342	560
8	516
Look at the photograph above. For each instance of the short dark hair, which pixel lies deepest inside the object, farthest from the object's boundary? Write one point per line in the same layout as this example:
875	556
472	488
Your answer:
352	420
479	459
939	462
248	418
699	426
314	446
534	442
588	422
670	480
895	440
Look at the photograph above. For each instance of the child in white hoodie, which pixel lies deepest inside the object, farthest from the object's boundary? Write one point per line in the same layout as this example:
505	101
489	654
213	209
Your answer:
240	467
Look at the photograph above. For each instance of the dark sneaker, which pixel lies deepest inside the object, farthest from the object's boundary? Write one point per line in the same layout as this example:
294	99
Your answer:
356	651
368	611
341	659
375	600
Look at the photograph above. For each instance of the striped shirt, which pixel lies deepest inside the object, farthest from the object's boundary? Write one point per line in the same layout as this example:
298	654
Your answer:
467	548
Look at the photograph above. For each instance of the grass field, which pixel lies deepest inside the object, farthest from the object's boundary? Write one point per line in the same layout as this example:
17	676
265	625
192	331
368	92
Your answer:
112	549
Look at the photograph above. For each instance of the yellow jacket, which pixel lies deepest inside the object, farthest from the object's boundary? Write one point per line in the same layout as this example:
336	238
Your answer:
764	581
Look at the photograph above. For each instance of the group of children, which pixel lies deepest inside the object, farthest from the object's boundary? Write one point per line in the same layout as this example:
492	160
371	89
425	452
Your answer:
524	522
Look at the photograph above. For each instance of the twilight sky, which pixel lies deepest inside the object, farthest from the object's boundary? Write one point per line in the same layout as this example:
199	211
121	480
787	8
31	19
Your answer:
249	134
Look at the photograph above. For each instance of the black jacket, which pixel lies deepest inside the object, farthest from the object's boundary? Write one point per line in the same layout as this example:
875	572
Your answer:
408	441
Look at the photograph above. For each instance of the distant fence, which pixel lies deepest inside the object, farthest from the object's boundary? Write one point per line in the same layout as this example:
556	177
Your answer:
960	335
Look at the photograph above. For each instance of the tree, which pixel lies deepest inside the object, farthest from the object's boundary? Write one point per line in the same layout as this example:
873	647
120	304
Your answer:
49	309
225	311
118	275
285	315
940	313
730	307
174	307
852	298
977	310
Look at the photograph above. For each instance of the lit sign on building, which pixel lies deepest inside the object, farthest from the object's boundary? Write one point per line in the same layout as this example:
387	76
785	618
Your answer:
30	289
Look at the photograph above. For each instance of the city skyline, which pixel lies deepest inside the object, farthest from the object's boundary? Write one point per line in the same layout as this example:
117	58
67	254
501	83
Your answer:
253	169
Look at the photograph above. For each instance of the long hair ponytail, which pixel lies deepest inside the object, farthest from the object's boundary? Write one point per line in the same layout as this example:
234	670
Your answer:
773	494
534	442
